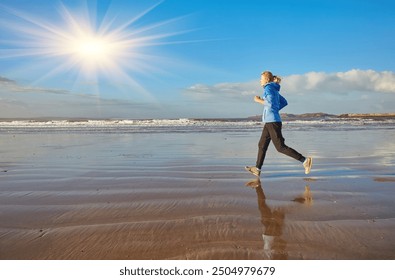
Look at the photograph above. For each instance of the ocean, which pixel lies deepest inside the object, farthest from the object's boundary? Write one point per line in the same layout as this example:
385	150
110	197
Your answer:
185	125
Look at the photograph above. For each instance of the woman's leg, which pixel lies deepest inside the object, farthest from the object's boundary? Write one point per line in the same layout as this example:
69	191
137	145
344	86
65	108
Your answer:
274	130
262	147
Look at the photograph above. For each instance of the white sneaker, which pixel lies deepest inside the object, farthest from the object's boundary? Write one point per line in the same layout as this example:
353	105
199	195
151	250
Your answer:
307	165
253	170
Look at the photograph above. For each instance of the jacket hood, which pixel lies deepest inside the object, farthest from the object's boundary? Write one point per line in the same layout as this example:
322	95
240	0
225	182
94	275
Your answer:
274	85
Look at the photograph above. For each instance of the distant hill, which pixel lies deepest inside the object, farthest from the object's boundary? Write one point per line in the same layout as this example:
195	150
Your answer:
368	116
291	117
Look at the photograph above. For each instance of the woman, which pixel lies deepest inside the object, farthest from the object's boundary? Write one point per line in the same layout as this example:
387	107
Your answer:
272	103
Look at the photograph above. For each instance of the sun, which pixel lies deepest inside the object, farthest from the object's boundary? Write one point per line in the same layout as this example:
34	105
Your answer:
107	48
92	48
92	51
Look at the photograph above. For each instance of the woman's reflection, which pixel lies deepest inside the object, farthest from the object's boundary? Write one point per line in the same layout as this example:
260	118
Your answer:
307	198
274	247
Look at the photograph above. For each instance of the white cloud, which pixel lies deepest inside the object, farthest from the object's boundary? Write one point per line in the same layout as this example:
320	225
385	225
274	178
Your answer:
235	90
361	81
341	92
352	81
358	91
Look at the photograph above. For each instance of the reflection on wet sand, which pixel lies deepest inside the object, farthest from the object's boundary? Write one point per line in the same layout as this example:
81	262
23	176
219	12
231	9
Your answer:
274	246
307	198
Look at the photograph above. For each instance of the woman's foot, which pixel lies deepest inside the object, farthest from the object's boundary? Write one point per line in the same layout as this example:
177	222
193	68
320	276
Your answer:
307	165
253	170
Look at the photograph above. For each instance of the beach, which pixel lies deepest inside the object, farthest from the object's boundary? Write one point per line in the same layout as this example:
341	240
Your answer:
180	191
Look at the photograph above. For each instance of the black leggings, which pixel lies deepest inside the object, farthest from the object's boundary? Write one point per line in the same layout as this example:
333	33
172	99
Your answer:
272	132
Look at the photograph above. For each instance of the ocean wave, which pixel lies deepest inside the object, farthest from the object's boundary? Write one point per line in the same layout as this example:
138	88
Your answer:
120	123
186	125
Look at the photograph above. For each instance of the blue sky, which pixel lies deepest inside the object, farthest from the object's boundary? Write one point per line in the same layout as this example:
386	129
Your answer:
176	59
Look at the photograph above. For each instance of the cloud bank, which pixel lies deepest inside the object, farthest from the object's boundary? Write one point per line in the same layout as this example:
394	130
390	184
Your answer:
26	101
11	86
354	91
361	91
362	81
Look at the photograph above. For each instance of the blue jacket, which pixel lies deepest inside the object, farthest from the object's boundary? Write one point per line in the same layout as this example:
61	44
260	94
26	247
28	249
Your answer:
274	102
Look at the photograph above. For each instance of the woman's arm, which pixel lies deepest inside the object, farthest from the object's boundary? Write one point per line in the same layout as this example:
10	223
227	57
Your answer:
259	100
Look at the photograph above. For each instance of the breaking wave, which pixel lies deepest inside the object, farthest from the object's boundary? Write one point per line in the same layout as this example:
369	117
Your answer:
185	125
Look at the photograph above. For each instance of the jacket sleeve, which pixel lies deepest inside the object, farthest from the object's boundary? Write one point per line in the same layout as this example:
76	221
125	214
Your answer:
268	97
283	102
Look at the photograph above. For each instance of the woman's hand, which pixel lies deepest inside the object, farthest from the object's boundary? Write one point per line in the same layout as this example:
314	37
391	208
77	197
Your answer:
259	100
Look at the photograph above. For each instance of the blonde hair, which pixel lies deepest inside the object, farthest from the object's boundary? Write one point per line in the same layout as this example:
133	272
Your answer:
277	79
268	76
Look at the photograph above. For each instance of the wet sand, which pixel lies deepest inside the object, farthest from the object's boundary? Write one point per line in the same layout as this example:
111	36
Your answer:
187	196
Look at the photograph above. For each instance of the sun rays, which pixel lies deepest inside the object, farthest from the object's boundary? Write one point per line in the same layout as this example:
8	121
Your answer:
92	48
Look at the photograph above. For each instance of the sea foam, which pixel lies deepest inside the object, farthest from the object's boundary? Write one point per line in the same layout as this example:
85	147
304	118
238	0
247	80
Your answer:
186	125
